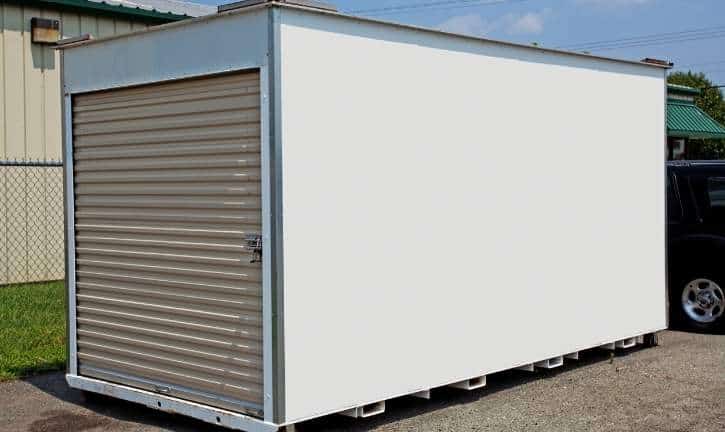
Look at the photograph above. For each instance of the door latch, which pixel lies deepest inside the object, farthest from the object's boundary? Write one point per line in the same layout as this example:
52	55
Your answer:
254	245
162	389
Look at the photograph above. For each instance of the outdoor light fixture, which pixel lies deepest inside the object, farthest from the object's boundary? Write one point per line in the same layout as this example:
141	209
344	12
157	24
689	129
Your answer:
45	31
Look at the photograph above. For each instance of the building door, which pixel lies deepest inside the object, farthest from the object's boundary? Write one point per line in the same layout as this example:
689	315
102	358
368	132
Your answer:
167	219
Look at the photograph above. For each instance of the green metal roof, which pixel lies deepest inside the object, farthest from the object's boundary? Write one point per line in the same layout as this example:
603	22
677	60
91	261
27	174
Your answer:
677	88
121	7
685	119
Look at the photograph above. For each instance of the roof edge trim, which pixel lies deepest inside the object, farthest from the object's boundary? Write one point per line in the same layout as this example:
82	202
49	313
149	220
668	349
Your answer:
284	5
114	9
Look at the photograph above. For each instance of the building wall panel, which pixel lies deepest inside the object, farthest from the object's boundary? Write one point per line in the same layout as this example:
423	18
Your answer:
14	82
455	207
52	98
123	26
106	27
71	24
33	71
89	24
2	82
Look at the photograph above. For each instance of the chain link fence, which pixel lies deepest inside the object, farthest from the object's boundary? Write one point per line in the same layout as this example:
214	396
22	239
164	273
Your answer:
31	221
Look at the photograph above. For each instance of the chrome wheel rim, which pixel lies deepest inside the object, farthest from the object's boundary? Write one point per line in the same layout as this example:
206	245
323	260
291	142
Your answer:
703	300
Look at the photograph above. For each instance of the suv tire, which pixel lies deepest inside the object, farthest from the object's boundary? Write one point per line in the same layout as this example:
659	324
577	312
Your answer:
697	300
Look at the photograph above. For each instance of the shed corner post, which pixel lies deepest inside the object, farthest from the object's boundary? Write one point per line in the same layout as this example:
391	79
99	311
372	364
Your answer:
664	192
273	274
69	212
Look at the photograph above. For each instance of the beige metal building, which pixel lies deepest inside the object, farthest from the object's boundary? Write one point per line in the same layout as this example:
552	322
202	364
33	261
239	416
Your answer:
31	232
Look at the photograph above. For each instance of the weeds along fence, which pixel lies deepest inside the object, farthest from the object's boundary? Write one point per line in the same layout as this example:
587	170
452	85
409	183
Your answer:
31	221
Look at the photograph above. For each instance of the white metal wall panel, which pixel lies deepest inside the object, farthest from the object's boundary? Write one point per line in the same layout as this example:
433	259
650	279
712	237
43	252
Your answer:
455	207
219	43
167	194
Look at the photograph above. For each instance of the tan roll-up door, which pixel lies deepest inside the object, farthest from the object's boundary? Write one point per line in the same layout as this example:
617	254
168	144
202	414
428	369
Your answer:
168	206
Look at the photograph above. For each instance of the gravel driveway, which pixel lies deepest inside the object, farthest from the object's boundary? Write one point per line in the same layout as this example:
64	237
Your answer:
678	386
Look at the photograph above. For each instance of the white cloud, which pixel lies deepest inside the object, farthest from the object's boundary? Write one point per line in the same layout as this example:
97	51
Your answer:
613	2
475	25
471	24
529	23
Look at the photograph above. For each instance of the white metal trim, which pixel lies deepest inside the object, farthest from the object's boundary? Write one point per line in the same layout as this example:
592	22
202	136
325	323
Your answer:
267	311
277	228
666	179
70	232
160	402
244	407
166	78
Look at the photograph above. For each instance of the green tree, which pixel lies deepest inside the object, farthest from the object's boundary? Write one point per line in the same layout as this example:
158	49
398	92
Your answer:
711	101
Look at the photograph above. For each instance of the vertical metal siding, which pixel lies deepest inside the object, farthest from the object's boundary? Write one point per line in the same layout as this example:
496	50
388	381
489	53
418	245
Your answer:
30	129
167	190
30	78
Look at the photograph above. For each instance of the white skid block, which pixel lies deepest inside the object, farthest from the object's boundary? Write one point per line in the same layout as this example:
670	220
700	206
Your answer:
626	343
528	367
640	339
368	410
424	394
608	346
470	384
572	356
551	363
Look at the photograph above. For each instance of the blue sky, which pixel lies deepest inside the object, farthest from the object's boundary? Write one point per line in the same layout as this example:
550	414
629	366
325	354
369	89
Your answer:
560	23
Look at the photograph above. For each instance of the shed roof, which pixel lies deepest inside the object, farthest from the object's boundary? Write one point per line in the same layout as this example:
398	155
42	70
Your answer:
685	119
168	10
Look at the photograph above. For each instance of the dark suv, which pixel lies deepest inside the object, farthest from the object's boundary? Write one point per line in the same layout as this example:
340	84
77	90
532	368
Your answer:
696	243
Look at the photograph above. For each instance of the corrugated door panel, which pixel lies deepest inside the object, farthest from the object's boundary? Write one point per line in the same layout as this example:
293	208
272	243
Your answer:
167	187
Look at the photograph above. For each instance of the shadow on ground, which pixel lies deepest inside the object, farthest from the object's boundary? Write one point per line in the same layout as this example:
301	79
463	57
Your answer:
684	329
105	410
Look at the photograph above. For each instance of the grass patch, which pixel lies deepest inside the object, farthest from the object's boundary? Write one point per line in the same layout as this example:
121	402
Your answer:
32	329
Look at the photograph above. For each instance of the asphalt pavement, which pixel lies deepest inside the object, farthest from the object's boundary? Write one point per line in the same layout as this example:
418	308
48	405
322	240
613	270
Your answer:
678	386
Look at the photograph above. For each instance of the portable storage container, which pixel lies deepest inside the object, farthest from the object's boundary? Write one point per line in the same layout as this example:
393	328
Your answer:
280	212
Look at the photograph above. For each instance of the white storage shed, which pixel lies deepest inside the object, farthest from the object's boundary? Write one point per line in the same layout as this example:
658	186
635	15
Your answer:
280	212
